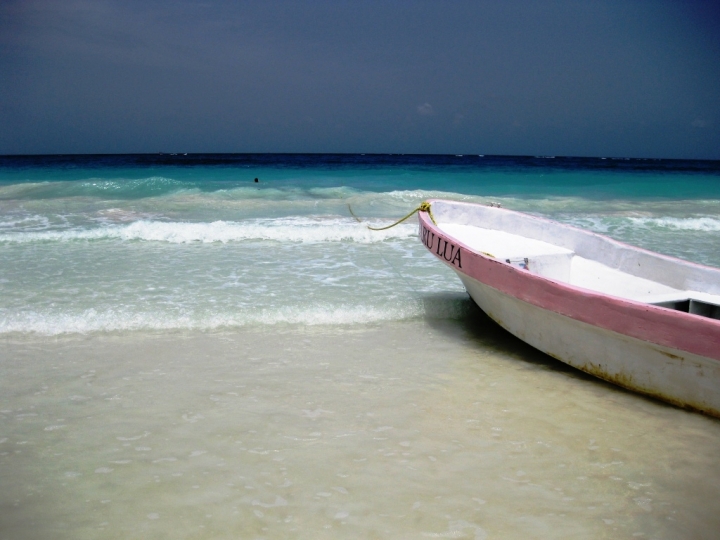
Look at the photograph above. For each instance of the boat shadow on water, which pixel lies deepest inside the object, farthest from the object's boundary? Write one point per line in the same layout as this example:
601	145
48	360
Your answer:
469	322
474	326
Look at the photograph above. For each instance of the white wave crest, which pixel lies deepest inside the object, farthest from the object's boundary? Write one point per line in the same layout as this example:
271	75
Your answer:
683	224
91	320
25	221
299	229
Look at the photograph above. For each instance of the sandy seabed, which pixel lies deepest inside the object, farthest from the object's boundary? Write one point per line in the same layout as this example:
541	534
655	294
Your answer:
418	429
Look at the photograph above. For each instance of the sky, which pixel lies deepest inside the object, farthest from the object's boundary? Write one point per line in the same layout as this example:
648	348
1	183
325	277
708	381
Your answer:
626	78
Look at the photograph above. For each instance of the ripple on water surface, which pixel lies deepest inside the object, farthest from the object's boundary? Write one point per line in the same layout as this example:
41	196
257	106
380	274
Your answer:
430	428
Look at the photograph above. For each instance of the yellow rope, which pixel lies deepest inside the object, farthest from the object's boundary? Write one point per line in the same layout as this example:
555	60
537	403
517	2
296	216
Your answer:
353	214
424	207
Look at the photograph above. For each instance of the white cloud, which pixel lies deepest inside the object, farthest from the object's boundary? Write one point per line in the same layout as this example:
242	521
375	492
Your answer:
425	109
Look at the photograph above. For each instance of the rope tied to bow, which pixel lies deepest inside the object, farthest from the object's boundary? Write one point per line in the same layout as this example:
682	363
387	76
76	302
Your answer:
424	207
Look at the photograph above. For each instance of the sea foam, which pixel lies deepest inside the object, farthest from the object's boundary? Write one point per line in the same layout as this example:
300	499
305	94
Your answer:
451	306
293	229
684	224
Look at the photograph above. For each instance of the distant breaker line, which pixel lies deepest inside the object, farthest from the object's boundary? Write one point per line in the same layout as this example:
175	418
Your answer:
292	229
301	230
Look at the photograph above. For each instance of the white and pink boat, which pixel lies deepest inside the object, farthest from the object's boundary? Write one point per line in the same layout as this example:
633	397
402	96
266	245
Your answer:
644	321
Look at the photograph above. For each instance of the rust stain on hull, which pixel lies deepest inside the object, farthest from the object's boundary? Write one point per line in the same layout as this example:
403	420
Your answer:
673	356
626	381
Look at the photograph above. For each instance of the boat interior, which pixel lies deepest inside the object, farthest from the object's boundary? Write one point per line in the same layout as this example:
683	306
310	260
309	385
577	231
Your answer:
581	266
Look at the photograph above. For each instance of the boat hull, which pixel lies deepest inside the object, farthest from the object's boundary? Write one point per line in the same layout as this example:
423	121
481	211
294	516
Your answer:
666	354
678	377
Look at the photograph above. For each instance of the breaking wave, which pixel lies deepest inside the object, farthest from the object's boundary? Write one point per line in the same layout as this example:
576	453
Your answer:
297	229
450	306
684	224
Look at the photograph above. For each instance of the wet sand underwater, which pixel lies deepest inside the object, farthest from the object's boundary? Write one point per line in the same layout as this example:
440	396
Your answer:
427	428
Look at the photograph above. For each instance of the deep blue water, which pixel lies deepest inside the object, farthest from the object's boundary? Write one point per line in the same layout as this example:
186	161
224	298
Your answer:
469	174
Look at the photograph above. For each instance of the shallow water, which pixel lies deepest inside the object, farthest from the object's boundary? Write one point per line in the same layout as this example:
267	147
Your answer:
186	354
418	429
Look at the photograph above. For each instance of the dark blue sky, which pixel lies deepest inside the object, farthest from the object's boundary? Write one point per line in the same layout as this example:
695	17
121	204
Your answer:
585	78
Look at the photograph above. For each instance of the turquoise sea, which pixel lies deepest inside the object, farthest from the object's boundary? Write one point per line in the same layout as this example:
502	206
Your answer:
106	243
188	353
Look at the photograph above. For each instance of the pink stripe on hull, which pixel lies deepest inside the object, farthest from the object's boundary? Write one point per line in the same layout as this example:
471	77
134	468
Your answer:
673	329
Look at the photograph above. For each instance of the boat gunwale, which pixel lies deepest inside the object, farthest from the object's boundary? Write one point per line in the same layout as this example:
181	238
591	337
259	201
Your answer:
665	327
